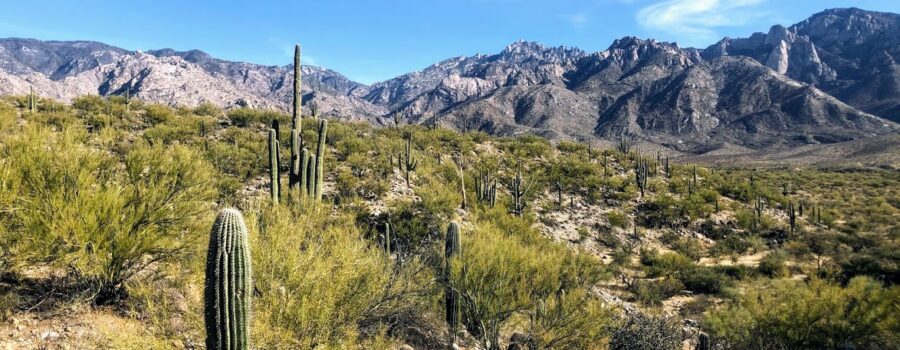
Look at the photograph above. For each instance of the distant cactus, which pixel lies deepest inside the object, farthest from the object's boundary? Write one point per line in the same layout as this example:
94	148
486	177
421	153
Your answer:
784	189
32	100
452	249
228	284
485	188
667	168
623	146
641	174
320	159
519	188
792	216
273	167
605	165
559	191
386	242
409	162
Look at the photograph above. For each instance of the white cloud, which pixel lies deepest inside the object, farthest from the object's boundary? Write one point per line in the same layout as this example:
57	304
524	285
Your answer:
694	22
578	20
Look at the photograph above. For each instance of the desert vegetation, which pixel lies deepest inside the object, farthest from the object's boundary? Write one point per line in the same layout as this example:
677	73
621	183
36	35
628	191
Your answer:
350	236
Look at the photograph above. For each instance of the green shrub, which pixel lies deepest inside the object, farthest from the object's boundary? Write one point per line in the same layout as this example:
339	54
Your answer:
496	267
643	332
789	314
105	221
773	264
654	292
703	280
319	281
617	219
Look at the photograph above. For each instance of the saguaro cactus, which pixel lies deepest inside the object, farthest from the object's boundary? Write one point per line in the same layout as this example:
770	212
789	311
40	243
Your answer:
296	122
485	187
320	159
409	162
304	172
296	161
452	249
641	174
386	238
792	216
32	101
228	286
274	186
311	175
623	145
519	187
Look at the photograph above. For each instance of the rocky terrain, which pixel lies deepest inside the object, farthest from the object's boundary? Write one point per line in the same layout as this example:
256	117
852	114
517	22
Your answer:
829	79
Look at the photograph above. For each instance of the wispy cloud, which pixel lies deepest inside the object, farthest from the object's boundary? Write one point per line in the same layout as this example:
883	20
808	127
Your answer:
578	20
694	22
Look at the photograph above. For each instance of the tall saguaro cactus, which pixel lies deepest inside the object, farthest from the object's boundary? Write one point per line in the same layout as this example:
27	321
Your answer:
296	122
228	286
519	187
274	185
294	174
409	163
320	159
32	101
452	249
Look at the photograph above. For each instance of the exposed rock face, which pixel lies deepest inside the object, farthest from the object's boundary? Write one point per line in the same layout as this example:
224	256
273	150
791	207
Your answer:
827	79
68	69
848	53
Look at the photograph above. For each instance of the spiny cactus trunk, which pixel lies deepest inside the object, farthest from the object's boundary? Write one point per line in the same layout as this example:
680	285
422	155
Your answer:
303	177
296	121
409	163
386	242
273	166
452	249
227	287
311	176
320	159
294	173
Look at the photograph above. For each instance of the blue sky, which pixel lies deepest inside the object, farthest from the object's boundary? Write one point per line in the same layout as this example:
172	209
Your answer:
373	40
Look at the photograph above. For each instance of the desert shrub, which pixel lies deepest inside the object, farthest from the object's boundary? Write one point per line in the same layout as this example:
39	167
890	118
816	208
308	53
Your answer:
82	210
737	272
716	232
654	292
157	113
773	264
732	244
617	219
499	275
643	332
703	280
688	247
244	117
570	320
661	211
664	264
208	109
789	314
319	282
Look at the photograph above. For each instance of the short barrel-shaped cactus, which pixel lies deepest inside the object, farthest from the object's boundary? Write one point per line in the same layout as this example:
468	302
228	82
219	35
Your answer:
228	284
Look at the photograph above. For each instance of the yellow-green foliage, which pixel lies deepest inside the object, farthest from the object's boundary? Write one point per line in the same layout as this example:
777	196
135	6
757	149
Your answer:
789	314
500	274
105	218
318	280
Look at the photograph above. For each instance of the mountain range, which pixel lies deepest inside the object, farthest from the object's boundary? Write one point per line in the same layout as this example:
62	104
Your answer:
831	78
